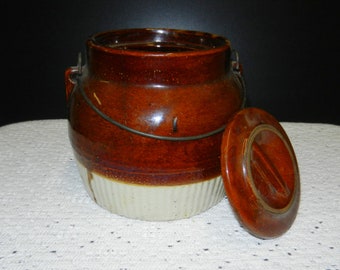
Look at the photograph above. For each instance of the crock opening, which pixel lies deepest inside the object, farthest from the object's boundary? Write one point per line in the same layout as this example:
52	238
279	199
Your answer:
159	40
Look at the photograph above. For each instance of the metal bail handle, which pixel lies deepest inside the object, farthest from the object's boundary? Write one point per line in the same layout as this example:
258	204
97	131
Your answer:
149	135
71	77
237	74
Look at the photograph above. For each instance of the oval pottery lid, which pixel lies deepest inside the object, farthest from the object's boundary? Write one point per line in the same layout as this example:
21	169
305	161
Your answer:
260	173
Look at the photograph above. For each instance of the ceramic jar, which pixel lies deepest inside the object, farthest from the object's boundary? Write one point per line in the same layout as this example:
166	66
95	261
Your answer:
146	116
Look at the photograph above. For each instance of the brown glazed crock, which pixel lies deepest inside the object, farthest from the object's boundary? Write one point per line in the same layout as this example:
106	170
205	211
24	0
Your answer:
148	110
156	116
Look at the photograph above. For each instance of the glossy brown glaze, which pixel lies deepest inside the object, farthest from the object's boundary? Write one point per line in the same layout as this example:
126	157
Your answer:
167	83
260	172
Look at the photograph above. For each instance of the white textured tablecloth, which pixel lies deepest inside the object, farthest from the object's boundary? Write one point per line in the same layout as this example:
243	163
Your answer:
49	222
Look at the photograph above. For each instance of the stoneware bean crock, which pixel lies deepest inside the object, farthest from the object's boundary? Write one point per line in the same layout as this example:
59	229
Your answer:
159	131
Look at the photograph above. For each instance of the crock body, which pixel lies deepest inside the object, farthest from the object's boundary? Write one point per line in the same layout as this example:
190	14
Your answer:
147	112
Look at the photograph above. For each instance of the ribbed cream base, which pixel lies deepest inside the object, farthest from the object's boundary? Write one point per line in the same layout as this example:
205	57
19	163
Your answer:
153	203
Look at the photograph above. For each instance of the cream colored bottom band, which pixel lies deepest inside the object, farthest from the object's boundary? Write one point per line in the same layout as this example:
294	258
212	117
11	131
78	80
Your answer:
153	203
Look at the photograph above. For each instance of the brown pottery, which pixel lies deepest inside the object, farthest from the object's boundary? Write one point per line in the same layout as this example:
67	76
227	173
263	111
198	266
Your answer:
147	112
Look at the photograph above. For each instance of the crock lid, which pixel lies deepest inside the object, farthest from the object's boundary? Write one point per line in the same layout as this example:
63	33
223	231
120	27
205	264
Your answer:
260	173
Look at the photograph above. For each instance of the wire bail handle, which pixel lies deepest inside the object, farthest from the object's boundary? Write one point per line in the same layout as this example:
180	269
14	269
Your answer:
77	71
71	77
